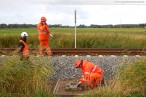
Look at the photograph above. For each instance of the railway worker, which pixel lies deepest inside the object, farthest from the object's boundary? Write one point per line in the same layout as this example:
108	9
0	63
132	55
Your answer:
43	36
23	47
91	73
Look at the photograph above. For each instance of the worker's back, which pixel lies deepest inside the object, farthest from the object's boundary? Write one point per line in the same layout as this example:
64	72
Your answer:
90	67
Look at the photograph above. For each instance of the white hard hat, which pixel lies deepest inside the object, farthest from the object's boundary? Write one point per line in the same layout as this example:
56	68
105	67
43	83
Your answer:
24	34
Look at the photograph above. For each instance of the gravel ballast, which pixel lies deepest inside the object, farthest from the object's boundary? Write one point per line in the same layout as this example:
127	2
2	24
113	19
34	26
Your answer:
64	66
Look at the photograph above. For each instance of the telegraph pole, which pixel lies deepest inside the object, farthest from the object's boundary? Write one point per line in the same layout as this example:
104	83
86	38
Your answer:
75	28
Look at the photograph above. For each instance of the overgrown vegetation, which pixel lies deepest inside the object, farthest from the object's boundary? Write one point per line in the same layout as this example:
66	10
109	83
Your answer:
86	37
24	78
129	82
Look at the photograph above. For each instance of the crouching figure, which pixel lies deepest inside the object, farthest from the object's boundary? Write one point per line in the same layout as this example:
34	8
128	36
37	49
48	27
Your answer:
91	74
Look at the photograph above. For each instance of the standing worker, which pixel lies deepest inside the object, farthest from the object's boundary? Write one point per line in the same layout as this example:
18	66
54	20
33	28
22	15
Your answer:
91	73
43	36
23	47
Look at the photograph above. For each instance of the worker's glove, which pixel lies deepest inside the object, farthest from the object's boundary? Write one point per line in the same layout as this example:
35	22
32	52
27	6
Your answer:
51	35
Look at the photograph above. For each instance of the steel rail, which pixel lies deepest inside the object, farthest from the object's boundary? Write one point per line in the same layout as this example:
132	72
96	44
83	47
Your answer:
84	51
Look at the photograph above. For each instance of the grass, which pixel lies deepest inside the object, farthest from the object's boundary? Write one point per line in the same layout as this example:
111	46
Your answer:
86	37
28	78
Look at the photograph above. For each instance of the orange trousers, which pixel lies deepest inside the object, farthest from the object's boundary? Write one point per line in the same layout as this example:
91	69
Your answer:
44	45
95	79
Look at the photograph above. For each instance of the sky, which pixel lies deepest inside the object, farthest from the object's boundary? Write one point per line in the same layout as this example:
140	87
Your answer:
100	12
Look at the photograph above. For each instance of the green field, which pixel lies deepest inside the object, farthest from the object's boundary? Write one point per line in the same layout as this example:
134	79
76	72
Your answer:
86	37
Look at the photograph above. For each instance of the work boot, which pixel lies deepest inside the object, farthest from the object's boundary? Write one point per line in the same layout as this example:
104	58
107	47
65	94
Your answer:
49	52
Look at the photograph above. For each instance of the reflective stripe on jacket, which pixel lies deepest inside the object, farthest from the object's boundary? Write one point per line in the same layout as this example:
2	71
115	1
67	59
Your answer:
88	68
43	31
25	51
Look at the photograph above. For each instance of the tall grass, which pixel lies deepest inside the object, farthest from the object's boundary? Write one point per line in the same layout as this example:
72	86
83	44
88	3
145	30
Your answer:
24	78
129	82
134	77
86	38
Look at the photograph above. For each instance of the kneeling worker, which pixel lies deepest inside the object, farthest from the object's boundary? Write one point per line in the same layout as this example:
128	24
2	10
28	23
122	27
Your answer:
91	73
23	47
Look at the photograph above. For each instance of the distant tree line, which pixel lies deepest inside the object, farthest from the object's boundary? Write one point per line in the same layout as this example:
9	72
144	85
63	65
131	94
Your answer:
113	26
79	26
17	25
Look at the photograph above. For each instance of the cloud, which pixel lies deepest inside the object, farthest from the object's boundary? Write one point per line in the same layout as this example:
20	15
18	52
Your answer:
115	14
30	11
74	2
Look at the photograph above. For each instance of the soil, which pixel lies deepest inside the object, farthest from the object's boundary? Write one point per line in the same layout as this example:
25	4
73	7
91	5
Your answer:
61	88
51	85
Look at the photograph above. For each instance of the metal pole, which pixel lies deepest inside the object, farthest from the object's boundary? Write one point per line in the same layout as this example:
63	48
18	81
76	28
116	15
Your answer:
120	23
75	28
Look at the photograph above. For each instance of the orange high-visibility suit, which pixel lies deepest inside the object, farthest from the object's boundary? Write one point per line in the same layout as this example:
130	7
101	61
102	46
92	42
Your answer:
91	74
25	51
43	36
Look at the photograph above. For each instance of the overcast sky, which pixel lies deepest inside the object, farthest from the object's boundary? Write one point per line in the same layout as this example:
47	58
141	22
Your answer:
99	12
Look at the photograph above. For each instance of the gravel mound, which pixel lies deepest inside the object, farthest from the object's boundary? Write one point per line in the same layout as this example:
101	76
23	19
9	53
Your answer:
64	66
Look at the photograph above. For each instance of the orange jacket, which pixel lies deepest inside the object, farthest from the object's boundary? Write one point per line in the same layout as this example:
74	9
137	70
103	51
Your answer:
88	68
43	31
25	51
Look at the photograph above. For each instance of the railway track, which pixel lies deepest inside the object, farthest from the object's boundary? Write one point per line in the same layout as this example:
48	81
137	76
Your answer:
83	51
